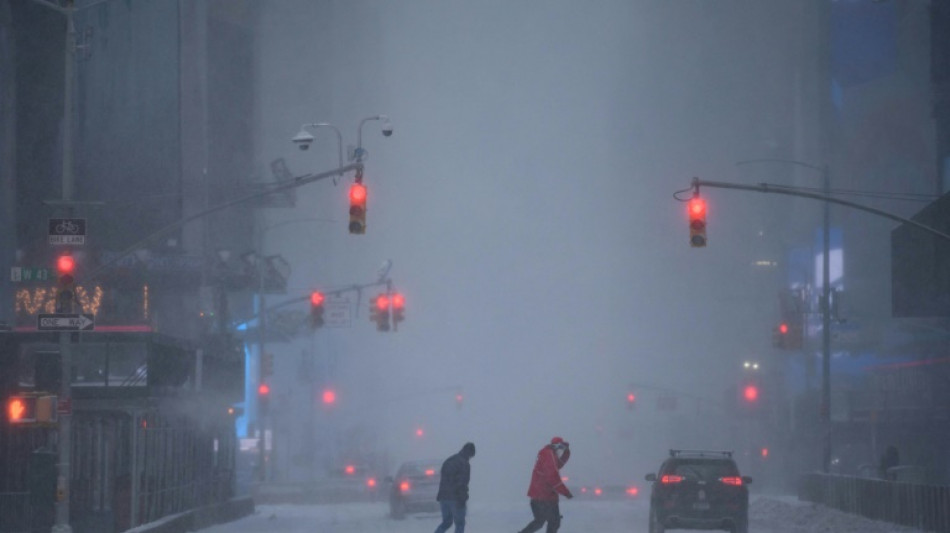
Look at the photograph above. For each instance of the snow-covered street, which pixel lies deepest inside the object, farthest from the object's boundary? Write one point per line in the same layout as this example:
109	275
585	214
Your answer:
767	515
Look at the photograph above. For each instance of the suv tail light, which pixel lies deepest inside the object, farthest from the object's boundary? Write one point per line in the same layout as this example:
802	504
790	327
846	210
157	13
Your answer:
737	481
404	486
669	479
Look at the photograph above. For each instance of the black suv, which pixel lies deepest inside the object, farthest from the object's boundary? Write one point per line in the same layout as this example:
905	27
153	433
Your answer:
698	489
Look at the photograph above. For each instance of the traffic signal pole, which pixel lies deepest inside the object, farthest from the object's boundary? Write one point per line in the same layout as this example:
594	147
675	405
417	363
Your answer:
825	304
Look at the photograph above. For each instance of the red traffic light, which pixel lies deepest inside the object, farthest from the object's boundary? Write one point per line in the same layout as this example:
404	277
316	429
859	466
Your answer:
697	222
65	264
357	193
631	398
263	389
750	393
783	328
697	207
316	298
329	397
399	301
382	302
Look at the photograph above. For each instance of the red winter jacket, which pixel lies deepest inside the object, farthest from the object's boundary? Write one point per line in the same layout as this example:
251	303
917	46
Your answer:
546	478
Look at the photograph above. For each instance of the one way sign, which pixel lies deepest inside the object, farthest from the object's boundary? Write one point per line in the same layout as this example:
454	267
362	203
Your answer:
65	322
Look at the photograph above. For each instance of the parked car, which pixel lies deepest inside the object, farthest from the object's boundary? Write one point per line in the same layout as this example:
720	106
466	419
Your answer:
414	488
699	489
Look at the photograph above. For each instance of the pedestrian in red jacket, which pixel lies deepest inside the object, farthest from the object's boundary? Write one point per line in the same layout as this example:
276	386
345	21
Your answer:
546	485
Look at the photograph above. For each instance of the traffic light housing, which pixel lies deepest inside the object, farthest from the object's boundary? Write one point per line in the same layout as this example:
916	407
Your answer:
316	309
65	272
379	312
459	400
399	308
358	208
697	221
263	398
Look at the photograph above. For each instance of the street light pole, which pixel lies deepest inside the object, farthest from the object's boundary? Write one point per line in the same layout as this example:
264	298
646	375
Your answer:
826	324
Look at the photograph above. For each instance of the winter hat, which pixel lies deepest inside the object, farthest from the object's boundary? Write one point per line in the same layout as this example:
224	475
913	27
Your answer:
557	440
468	450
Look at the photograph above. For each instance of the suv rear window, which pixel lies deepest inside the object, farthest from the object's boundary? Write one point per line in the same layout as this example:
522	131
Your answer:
702	469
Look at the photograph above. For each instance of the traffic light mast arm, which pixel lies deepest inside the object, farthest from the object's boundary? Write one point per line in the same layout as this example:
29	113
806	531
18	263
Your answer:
790	191
292	184
337	292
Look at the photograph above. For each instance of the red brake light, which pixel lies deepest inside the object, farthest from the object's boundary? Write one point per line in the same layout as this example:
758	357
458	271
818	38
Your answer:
371	482
668	479
404	486
430	472
349	470
633	491
736	481
598	491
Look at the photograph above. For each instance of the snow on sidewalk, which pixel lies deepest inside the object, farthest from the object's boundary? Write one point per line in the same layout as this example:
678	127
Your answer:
788	514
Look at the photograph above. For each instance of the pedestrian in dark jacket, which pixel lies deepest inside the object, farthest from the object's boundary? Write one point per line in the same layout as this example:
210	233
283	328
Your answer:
546	485
453	489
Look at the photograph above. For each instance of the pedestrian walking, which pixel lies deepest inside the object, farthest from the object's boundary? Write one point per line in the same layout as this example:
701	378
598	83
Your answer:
453	489
546	486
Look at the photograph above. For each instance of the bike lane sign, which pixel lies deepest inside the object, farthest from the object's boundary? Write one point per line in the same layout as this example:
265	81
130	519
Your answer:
67	231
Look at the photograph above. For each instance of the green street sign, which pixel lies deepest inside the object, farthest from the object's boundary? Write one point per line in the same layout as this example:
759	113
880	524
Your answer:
18	274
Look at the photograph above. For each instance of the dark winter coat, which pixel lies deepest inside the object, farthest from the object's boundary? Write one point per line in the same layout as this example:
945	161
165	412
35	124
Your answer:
455	476
546	481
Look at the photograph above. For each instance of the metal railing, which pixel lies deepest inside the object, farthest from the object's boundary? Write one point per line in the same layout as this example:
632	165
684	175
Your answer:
925	507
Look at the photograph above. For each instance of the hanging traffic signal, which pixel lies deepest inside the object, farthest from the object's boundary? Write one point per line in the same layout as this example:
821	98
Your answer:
697	221
316	309
379	312
631	400
399	308
788	336
263	397
65	271
459	400
329	397
358	208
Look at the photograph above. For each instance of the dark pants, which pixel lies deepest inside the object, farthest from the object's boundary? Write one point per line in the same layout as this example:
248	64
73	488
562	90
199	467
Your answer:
544	511
452	511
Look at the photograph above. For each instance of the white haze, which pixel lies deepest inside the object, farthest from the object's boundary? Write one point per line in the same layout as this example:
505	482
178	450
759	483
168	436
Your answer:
525	200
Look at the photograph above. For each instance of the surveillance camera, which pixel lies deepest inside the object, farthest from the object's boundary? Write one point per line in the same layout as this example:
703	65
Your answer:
303	139
387	128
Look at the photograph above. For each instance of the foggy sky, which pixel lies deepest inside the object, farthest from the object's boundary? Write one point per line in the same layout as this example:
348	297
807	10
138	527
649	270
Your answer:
525	200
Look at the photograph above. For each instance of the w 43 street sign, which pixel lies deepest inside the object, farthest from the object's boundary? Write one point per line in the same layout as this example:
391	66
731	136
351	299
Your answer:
65	322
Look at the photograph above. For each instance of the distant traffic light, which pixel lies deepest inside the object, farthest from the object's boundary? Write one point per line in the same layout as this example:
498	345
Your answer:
358	208
459	399
379	312
751	393
631	400
697	221
263	397
788	336
399	308
329	397
65	272
316	309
